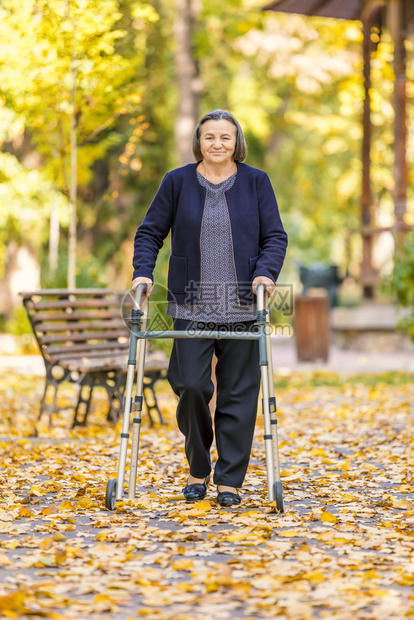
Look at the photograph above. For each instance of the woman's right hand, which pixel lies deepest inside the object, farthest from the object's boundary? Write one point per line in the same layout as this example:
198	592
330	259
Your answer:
142	280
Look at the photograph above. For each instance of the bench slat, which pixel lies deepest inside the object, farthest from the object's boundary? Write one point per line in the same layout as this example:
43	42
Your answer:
61	316
99	346
69	337
150	358
107	365
90	354
78	327
87	303
64	292
93	365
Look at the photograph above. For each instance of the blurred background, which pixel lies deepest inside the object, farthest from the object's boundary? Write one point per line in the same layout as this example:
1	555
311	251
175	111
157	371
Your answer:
98	100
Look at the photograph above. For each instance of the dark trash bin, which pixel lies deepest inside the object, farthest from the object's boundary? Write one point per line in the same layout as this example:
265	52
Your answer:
312	328
318	275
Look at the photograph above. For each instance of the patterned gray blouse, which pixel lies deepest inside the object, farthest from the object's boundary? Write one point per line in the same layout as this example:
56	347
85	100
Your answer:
218	299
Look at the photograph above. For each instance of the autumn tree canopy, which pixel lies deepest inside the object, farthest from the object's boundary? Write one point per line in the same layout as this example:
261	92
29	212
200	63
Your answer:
101	80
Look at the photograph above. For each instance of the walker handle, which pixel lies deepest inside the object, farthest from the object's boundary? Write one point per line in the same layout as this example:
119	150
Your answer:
261	290
140	290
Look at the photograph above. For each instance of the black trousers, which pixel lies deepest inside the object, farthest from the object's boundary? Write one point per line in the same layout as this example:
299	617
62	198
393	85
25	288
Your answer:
238	384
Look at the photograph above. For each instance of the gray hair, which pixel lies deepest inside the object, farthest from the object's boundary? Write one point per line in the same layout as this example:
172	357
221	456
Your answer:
240	151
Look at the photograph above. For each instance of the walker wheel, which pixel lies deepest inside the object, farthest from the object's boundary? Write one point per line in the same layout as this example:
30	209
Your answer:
110	495
279	496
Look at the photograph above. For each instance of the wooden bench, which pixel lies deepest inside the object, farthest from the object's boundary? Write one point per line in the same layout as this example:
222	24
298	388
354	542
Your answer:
84	339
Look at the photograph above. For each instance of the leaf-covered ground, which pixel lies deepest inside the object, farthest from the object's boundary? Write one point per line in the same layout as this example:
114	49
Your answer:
342	550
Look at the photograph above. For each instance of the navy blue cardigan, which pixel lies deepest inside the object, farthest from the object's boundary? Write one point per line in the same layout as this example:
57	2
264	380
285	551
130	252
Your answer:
259	239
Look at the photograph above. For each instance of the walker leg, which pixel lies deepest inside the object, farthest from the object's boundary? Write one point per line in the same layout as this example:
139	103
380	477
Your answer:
278	492
265	394
137	409
115	488
274	484
267	426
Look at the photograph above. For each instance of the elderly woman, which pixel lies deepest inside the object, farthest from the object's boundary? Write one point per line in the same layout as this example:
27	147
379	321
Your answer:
227	238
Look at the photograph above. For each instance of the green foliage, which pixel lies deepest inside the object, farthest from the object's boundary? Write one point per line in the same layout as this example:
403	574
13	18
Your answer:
322	378
295	84
90	273
48	48
402	282
19	324
26	201
47	44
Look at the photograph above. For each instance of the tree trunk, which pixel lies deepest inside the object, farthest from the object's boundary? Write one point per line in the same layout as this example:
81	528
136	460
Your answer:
398	10
54	237
189	85
74	177
187	77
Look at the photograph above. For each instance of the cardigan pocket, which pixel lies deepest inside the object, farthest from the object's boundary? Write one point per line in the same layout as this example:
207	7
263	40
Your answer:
252	266
177	274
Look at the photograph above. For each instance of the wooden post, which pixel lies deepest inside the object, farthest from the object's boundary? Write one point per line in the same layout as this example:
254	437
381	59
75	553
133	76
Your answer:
366	266
397	22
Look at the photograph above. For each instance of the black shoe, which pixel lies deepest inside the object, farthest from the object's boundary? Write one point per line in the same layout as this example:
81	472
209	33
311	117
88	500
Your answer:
197	491
227	498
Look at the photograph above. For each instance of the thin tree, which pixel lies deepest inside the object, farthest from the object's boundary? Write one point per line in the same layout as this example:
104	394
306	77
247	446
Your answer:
187	77
73	190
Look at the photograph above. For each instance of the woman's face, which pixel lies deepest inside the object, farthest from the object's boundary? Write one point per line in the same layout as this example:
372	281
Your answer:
218	141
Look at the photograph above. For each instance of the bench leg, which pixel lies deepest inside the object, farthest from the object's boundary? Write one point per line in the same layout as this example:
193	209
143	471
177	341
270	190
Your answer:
113	410
50	408
43	404
83	401
113	386
152	403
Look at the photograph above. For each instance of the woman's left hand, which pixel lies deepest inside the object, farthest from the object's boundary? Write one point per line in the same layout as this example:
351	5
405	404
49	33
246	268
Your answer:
270	285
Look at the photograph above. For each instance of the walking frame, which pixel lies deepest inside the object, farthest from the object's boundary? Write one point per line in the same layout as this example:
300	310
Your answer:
139	317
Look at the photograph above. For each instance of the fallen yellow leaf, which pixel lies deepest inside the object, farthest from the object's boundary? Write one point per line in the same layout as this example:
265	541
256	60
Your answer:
5	560
46	543
401	504
183	564
372	574
348	497
26	511
405	579
203	506
66	505
317	452
315	577
37	491
236	537
49	510
13	603
288	533
328	517
285	472
84	503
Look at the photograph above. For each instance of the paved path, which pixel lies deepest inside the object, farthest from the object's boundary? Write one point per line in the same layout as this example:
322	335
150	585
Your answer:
343	550
284	361
341	361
